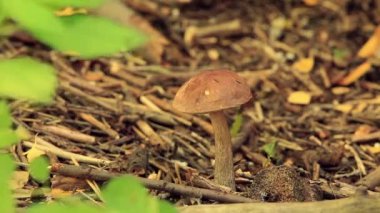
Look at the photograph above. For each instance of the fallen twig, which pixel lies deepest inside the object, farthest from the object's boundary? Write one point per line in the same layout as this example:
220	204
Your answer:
101	175
67	133
366	138
43	145
371	180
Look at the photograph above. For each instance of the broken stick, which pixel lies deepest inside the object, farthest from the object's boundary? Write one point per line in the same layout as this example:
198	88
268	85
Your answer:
101	175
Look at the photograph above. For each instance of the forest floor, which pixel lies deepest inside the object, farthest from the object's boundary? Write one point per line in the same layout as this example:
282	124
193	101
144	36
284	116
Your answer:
311	132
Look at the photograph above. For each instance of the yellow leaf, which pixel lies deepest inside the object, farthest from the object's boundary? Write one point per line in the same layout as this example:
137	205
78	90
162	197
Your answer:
304	65
299	97
340	90
311	2
375	149
346	108
23	133
371	46
362	130
19	179
356	73
33	153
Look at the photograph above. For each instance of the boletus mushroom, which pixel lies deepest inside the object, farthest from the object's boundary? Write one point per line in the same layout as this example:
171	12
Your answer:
212	92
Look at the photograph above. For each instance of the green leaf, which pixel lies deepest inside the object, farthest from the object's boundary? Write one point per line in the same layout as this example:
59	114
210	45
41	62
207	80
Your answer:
38	169
90	36
34	17
2	13
270	149
125	194
340	53
5	116
7	135
57	207
7	138
6	171
236	125
166	207
25	78
81	35
70	3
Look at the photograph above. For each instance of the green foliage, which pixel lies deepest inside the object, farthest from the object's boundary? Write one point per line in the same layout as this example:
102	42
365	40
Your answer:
25	78
132	197
81	35
34	17
7	136
270	149
57	207
7	167
38	169
125	194
340	54
85	38
121	195
166	207
6	120
236	125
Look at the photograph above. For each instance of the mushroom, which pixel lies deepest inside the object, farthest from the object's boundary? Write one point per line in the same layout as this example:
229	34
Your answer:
212	92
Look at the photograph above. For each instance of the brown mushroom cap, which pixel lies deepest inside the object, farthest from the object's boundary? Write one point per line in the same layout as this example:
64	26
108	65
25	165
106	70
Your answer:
212	91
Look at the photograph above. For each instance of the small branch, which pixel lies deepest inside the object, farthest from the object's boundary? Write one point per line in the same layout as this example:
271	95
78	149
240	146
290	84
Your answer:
371	180
67	133
228	28
95	122
206	126
357	158
101	175
43	145
366	138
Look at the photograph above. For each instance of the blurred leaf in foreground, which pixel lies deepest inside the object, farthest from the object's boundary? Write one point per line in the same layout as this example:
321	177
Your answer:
57	207
38	169
125	194
7	135
84	38
34	17
80	35
5	117
6	172
25	78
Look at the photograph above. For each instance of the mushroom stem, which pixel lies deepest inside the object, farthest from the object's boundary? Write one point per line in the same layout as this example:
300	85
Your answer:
224	172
